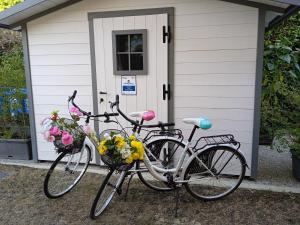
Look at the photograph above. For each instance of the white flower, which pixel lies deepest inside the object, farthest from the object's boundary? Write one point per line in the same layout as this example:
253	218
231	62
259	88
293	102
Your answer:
125	153
107	136
117	135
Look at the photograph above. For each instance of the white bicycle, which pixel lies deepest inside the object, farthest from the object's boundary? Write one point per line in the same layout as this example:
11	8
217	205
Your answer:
209	170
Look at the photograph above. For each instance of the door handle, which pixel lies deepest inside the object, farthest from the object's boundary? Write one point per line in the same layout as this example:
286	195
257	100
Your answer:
102	93
166	92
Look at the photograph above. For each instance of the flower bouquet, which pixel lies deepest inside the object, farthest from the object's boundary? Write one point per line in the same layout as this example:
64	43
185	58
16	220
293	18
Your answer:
66	134
118	151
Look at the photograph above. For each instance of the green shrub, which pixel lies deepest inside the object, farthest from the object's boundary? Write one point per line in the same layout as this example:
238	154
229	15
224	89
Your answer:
281	78
13	124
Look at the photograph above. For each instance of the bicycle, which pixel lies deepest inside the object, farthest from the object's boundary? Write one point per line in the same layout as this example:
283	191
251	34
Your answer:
216	158
71	164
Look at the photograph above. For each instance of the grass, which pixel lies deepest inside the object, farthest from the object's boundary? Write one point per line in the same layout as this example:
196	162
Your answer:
23	202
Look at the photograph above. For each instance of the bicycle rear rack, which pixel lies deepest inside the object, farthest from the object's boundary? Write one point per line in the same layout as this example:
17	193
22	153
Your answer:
215	141
168	132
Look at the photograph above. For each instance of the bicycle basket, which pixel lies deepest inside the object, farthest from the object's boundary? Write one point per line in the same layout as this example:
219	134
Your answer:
78	137
107	158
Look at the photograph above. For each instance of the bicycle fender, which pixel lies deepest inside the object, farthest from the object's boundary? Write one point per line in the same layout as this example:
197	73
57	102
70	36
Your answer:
164	138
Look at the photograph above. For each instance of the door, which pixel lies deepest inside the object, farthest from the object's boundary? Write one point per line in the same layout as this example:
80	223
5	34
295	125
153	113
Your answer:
151	83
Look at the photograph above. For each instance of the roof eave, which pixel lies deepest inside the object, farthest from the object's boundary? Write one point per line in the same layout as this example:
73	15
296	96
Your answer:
43	13
257	5
279	19
4	26
22	6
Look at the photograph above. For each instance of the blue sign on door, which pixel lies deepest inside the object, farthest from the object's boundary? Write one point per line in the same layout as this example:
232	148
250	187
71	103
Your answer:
128	84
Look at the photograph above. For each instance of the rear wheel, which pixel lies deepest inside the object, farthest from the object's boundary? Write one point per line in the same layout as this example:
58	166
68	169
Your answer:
164	154
111	184
215	173
66	171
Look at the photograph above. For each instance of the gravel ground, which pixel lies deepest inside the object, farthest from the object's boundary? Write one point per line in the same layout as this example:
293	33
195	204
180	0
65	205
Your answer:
275	168
23	202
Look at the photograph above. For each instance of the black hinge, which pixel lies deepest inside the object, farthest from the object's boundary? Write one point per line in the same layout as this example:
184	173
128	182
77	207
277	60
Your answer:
166	34
166	93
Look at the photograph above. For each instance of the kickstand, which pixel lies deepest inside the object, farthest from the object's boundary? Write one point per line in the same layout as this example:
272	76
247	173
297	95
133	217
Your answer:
177	196
127	188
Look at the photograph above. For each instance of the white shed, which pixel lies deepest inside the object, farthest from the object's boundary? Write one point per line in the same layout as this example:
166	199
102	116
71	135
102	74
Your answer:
189	58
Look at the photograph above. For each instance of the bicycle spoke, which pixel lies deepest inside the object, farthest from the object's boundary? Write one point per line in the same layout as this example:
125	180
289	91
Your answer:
215	173
66	172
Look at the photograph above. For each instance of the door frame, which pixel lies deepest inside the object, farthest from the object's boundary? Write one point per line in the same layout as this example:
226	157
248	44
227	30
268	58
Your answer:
123	13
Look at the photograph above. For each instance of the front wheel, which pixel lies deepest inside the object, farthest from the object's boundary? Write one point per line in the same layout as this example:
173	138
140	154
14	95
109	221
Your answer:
215	173
66	171
111	184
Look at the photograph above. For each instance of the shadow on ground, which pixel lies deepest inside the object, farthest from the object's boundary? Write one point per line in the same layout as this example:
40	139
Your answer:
23	202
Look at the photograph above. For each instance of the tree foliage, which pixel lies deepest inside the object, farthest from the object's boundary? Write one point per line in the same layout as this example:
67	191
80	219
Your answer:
5	4
281	79
14	120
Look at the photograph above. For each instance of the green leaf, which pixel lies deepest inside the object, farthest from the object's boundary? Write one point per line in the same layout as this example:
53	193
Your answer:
287	58
292	74
271	66
297	66
287	48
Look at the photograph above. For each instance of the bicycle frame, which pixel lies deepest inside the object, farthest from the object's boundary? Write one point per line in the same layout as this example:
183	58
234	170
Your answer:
157	172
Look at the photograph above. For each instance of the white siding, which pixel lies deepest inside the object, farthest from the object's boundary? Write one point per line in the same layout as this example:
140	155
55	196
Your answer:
215	62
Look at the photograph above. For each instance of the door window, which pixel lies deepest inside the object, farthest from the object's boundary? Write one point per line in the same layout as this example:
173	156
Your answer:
130	52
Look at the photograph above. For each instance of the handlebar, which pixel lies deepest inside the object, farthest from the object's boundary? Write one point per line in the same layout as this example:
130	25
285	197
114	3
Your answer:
88	114
136	123
73	95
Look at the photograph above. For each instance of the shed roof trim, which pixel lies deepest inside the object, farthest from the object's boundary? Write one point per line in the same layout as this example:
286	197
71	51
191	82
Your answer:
32	9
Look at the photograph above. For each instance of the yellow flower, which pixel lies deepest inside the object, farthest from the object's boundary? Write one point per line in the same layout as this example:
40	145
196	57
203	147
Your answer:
118	138
102	148
132	138
134	144
135	156
121	144
141	153
140	146
129	160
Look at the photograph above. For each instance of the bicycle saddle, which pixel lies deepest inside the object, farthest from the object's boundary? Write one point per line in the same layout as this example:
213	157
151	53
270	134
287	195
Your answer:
201	122
146	115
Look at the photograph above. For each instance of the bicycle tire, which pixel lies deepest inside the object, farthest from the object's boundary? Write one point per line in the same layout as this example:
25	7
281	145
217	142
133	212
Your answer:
151	182
55	167
112	180
212	158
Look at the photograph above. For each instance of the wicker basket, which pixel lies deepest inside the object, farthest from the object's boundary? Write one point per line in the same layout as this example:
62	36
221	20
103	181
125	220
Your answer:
79	137
112	164
107	159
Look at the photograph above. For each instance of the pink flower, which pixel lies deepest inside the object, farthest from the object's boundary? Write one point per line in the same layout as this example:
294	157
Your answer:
75	111
67	139
55	131
48	137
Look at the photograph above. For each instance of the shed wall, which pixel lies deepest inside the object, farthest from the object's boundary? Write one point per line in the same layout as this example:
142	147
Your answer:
215	63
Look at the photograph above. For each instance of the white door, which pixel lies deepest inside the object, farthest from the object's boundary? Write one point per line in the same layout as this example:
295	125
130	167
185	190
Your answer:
149	87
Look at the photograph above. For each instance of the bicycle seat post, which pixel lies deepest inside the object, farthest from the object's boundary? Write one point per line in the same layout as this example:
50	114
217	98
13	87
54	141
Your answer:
192	133
141	123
